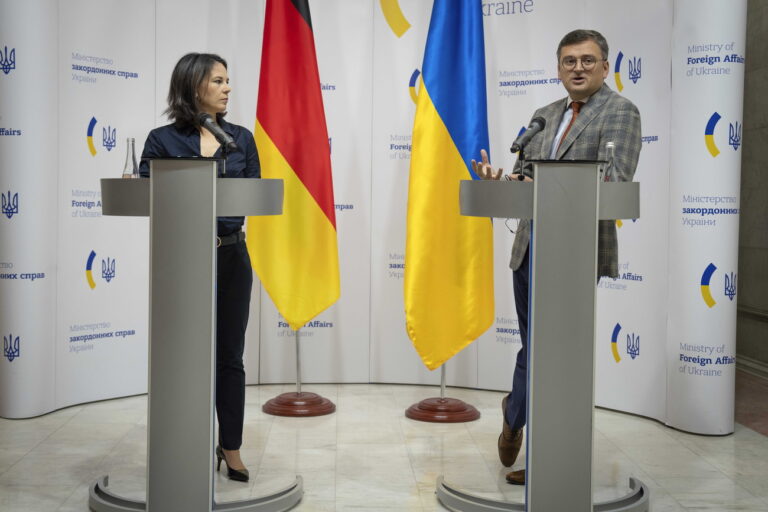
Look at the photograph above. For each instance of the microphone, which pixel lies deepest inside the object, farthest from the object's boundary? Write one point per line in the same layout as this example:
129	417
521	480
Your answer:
223	137
537	124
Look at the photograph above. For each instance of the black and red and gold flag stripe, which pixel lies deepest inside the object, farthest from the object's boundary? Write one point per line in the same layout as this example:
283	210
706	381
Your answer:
295	254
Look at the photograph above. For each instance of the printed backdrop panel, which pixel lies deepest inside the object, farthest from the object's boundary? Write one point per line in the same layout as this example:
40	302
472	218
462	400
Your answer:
28	174
708	78
632	313
671	310
230	29
106	94
399	36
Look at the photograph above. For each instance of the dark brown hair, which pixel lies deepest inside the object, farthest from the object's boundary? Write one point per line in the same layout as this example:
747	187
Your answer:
581	35
188	76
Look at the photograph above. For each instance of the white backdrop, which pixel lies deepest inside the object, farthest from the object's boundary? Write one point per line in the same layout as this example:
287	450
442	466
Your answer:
101	327
708	68
112	61
28	238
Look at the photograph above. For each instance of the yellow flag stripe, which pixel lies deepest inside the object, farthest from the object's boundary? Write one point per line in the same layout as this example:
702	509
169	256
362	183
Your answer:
294	254
449	258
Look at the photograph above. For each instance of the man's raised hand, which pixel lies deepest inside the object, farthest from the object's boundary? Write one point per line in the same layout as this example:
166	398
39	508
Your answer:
484	168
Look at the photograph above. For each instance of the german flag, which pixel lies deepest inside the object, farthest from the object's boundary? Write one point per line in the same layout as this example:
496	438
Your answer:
295	254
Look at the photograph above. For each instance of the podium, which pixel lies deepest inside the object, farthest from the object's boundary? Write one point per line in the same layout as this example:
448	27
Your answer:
182	198
565	201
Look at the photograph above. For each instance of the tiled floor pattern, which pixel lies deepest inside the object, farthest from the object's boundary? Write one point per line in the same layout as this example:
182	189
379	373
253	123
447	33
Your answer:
368	456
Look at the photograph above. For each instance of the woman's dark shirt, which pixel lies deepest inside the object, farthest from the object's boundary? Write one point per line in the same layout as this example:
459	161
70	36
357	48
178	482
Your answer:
184	141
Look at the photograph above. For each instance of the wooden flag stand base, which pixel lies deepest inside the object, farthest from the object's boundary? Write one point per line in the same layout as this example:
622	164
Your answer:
442	410
298	404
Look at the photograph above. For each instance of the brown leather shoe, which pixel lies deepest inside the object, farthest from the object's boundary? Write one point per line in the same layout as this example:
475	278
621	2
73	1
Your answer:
510	440
516	477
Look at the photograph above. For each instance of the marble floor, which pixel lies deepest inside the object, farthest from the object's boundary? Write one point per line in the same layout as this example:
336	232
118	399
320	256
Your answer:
751	408
368	456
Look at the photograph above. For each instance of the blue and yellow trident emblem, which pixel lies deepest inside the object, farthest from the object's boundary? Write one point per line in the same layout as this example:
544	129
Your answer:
734	135
11	347
7	60
109	137
634	70
633	345
108	269
730	285
10	204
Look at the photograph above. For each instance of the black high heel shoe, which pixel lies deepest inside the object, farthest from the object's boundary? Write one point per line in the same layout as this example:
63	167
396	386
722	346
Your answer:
241	475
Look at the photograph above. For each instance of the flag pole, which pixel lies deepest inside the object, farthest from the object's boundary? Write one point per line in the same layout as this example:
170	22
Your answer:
299	403
294	92
298	365
442	409
442	382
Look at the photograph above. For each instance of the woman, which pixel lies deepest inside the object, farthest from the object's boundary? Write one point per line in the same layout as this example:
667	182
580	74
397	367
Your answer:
199	84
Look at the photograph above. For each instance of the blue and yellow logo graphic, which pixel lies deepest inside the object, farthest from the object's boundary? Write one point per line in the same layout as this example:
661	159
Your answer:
734	134
11	347
108	137
614	342
107	270
10	204
633	344
729	285
413	86
709	134
89	270
394	16
706	277
7	60
91	126
635	72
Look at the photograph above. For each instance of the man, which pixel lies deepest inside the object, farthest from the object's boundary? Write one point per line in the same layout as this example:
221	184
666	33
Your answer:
577	128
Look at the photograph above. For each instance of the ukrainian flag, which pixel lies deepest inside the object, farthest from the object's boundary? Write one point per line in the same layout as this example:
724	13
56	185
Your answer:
448	258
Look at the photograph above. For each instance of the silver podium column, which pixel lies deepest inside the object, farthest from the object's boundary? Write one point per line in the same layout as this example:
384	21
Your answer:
565	201
183	199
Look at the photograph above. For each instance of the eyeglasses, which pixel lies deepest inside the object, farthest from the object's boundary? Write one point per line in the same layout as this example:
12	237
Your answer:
587	62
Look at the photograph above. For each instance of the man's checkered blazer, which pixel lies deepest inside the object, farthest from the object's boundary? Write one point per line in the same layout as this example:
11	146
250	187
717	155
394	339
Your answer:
605	117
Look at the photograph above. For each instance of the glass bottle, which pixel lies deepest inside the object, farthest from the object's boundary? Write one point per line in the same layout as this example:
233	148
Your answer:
131	168
610	167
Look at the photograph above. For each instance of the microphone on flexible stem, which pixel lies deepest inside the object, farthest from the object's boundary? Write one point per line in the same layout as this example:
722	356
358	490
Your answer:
537	124
227	143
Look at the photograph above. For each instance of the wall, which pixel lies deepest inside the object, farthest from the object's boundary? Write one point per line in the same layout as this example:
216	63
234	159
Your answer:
752	325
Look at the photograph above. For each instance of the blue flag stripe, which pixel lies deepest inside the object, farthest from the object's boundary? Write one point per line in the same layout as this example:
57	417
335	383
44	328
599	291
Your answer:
454	74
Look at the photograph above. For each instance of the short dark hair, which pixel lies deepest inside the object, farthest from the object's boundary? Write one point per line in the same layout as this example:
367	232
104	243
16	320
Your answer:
188	76
581	35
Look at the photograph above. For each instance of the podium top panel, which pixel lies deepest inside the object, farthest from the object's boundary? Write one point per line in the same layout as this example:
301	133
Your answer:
190	158
567	162
514	199
505	199
234	197
248	196
619	200
125	197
